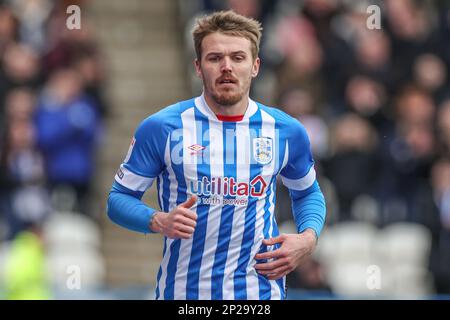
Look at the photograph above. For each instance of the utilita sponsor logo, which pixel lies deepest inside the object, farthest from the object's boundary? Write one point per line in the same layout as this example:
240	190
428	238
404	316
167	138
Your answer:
229	186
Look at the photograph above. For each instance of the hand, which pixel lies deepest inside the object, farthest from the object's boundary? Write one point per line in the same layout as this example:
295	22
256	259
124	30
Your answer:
177	224
294	248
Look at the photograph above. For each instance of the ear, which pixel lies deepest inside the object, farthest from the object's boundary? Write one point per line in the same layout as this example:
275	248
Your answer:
255	68
198	68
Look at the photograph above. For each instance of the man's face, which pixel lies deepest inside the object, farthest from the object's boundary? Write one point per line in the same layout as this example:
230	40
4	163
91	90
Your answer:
226	67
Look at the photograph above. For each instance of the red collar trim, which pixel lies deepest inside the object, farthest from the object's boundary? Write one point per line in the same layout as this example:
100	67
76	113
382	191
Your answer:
229	118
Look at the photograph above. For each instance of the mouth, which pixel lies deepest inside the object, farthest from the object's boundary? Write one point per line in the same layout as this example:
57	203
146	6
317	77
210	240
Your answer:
226	81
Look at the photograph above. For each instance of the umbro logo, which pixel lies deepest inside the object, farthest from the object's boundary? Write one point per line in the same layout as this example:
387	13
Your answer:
196	148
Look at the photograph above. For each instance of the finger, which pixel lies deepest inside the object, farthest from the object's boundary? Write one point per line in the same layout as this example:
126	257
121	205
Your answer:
189	214
270	266
272	241
278	275
190	202
185	229
269	254
275	270
182	235
182	219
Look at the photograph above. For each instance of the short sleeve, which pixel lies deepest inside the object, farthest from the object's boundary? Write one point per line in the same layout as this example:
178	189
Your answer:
145	158
298	173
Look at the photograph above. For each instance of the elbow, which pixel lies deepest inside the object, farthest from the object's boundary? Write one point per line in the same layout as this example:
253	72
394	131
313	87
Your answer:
110	207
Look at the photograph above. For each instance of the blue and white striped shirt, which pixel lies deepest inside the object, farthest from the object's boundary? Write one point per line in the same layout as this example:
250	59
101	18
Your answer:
232	167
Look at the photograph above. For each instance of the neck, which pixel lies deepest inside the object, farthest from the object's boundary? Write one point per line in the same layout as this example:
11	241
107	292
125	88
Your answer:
236	109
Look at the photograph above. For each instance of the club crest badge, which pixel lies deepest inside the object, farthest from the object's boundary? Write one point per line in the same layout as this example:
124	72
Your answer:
262	150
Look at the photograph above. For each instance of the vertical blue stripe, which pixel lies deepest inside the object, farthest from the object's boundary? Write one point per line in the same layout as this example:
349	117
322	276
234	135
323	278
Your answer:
276	233
226	219
160	270
240	282
172	269
164	206
158	192
264	283
198	241
175	246
165	191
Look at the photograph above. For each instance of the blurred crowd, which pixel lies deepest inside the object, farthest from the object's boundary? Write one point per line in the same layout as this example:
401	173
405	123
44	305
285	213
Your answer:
51	111
376	105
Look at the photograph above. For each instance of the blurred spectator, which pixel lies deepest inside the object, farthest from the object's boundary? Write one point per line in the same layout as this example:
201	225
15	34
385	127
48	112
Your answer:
25	199
407	158
298	43
440	180
299	104
65	46
430	74
25	269
368	97
67	126
8	27
32	16
90	69
413	29
20	68
443	128
353	166
310	276
373	54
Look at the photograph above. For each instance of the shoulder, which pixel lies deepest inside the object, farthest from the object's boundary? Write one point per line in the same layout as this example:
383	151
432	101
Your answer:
167	118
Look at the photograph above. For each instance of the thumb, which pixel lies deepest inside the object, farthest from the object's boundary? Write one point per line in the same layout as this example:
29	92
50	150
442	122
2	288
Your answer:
190	202
272	241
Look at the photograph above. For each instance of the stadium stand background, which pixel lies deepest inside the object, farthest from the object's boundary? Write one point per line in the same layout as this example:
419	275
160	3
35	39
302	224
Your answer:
376	104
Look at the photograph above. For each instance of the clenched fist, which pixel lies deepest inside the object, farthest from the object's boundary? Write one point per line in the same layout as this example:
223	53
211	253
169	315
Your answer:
177	224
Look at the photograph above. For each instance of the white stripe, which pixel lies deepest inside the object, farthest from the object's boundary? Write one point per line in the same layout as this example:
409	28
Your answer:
268	130
203	107
275	290
286	156
251	109
190	173
173	186
302	183
161	178
213	223
132	181
164	263
242	175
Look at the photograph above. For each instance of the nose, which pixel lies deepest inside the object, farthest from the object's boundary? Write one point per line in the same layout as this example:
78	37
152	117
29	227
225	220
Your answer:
226	65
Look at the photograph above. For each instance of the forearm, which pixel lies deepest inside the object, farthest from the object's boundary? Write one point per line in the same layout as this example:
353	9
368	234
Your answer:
309	209
127	210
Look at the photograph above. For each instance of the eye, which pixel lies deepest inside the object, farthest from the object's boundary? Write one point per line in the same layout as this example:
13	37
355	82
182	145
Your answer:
214	58
239	58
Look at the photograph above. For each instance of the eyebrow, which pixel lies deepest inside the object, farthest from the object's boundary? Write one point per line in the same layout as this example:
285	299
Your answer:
220	53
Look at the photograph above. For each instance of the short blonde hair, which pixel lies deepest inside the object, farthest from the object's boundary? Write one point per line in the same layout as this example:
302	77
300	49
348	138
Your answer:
229	23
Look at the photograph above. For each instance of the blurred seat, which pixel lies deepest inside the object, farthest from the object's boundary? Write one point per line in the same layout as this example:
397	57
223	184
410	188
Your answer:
405	243
411	282
71	231
73	244
347	242
359	280
76	270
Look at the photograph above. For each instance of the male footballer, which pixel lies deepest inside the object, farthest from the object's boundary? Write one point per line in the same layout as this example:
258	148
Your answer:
215	160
